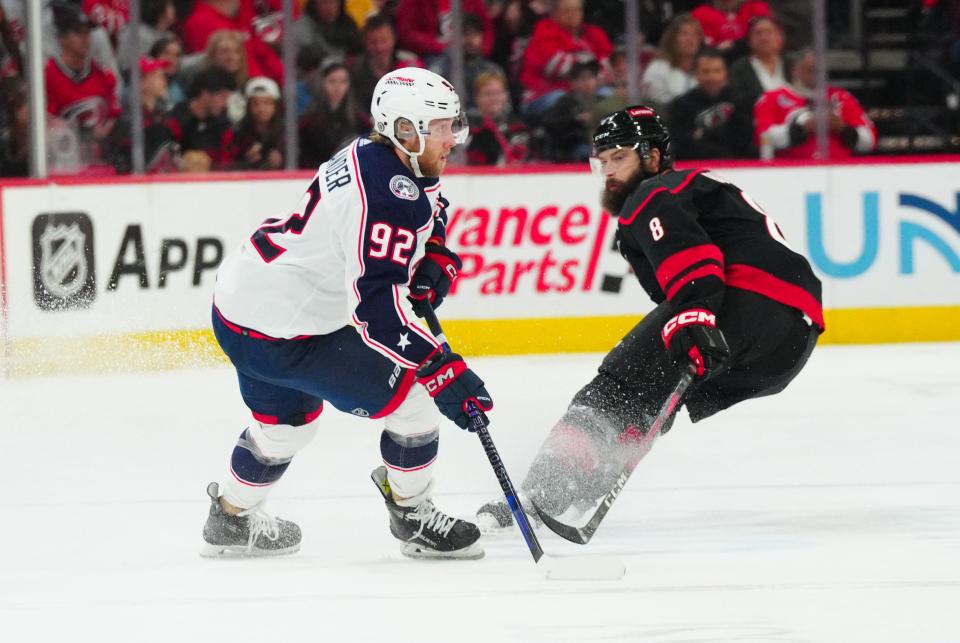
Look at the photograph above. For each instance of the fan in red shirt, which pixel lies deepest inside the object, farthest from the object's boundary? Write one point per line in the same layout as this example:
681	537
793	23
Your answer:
209	16
784	117
109	14
725	22
557	42
425	26
79	90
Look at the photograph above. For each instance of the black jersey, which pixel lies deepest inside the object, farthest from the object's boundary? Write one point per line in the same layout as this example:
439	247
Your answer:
689	236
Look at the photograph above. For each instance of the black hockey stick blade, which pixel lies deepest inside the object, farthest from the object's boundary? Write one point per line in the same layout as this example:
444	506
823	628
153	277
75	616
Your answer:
582	535
479	423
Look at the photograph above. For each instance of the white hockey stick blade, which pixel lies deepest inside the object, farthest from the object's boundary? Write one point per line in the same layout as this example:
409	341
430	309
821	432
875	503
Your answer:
583	568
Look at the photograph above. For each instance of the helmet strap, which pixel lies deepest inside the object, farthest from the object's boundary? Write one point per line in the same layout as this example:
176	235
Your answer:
413	156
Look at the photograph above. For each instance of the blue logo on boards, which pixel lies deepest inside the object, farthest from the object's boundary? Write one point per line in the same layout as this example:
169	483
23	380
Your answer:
909	235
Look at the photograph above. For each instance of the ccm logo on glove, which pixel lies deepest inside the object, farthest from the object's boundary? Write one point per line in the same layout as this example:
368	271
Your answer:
686	318
454	387
441	379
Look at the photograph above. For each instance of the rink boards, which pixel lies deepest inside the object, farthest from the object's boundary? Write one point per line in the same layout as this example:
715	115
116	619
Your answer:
99	274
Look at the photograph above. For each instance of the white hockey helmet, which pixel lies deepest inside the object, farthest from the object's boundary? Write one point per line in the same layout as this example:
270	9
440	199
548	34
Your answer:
418	96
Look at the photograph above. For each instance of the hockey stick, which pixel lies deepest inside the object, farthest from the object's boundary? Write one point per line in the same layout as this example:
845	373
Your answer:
479	424
582	535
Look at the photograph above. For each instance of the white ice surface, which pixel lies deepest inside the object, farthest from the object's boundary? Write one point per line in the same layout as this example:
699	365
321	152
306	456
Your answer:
829	513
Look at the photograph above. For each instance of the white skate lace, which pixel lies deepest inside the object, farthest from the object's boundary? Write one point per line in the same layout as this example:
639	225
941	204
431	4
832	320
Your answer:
259	523
431	518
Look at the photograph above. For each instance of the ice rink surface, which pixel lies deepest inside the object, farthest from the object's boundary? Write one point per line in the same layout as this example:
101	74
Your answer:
829	513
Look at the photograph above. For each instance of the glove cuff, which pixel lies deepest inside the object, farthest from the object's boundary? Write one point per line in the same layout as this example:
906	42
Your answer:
690	317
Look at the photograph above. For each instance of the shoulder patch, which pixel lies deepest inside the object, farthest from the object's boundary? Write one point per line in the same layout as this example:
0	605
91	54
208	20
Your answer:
404	188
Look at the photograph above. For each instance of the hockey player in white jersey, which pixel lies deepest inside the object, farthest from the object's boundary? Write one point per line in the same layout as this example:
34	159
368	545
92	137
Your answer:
314	308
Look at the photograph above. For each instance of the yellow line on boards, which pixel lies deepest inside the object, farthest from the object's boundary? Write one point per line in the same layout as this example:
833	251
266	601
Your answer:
164	350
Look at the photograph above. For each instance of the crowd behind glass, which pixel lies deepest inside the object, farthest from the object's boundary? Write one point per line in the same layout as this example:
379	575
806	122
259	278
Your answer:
733	78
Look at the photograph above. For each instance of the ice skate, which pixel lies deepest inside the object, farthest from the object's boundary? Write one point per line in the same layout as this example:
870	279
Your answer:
424	530
250	533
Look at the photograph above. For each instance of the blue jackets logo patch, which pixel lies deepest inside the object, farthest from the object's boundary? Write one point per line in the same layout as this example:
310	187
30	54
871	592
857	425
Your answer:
404	188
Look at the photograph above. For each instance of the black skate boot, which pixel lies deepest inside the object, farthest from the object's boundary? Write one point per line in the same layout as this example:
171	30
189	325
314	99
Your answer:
427	532
252	532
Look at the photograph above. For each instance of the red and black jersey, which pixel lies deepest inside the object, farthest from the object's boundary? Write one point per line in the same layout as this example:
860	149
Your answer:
689	236
88	97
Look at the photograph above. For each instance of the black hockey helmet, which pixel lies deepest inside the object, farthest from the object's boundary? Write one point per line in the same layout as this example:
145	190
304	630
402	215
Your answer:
638	128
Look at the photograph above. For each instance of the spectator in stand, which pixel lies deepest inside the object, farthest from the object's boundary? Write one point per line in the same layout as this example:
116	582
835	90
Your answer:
424	26
225	50
157	17
671	74
334	119
474	62
101	48
497	137
725	23
309	77
78	90
618	98
109	14
380	55
567	123
324	24
763	70
796	20
557	43
14	127
257	142
785	119
200	123
158	144
210	16
704	121
513	24
11	61
169	50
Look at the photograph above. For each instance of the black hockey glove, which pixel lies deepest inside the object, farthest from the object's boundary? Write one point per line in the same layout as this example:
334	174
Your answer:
693	340
453	387
433	277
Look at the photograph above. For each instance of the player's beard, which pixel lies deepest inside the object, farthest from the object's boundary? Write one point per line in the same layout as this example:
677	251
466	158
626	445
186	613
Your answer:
431	167
615	192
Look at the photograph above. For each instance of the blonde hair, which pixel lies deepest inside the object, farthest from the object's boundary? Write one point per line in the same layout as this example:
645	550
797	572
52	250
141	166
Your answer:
488	77
668	41
217	38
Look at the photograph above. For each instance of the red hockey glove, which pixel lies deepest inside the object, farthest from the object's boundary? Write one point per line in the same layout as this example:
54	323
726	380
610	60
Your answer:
453	387
433	277
693	339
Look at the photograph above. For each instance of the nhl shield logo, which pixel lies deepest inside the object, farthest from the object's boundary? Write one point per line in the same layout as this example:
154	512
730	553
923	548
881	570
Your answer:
63	268
404	188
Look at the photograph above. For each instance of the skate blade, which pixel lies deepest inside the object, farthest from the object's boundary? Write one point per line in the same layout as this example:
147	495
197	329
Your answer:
240	551
471	552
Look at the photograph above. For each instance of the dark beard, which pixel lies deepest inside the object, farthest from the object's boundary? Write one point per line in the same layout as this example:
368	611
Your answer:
613	200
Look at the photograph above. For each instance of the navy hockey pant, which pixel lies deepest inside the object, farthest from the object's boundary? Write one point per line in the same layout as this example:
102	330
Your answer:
285	381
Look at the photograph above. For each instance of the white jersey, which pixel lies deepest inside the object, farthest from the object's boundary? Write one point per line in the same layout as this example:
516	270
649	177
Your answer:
344	258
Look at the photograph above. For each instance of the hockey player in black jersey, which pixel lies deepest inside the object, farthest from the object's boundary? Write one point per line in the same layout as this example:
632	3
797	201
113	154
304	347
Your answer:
736	307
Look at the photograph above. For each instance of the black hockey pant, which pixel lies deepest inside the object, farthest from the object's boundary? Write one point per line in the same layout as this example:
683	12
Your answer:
769	345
